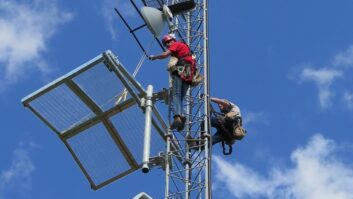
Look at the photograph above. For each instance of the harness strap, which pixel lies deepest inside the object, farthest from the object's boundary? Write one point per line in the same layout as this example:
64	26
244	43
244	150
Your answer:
230	148
228	135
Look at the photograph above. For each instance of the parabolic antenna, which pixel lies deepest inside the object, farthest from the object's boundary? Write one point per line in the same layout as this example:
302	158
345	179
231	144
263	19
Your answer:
156	18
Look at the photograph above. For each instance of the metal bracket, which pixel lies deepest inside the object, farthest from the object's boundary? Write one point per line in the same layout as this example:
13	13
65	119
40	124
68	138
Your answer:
143	103
160	160
161	95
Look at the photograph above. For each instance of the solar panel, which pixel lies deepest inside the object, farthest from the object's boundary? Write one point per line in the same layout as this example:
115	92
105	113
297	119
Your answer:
101	125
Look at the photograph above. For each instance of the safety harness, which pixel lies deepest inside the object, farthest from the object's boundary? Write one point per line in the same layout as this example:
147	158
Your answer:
184	69
228	136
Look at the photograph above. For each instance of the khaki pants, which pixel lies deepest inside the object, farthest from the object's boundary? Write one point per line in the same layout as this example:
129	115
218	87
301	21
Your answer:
172	64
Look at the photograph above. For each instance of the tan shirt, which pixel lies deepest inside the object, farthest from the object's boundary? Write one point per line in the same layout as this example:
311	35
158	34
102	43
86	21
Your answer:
234	108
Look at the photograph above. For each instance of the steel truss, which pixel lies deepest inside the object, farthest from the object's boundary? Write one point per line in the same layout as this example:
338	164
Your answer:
188	175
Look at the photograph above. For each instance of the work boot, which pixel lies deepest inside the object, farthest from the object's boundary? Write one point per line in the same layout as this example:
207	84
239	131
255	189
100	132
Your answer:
181	127
191	142
177	123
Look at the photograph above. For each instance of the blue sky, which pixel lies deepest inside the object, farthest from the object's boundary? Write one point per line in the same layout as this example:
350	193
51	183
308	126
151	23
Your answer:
287	64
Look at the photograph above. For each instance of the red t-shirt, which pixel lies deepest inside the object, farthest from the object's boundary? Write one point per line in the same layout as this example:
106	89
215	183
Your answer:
181	50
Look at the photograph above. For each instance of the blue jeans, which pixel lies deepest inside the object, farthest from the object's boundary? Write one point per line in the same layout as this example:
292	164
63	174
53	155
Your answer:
217	137
179	91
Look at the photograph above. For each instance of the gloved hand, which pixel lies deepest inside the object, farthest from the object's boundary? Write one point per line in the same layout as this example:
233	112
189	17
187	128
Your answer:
152	57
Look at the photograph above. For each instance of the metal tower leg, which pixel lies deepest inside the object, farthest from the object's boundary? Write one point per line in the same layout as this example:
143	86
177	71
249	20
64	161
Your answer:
190	175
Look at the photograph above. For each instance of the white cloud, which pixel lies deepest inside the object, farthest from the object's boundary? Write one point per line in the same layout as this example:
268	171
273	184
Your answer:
112	18
18	176
317	173
25	29
348	99
323	79
109	16
251	117
344	59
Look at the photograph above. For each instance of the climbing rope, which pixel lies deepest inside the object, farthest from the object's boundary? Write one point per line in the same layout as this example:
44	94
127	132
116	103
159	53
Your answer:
123	94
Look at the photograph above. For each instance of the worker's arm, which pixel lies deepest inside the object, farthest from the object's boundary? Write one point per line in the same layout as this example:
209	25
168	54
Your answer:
219	101
161	56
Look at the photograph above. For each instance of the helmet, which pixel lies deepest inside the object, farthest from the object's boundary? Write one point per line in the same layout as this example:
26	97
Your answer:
167	38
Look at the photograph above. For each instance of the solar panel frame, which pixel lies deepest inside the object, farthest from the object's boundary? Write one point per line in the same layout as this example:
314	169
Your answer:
99	116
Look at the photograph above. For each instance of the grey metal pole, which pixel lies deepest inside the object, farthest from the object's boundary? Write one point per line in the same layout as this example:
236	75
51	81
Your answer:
147	137
188	164
208	153
167	165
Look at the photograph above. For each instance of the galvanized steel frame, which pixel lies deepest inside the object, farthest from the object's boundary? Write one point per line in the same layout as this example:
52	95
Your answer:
191	177
110	60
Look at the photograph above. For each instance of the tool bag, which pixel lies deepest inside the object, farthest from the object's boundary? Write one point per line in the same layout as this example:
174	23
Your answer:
197	78
185	70
232	127
238	132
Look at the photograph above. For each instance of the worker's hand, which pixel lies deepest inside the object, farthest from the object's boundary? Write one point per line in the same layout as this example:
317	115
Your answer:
152	57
